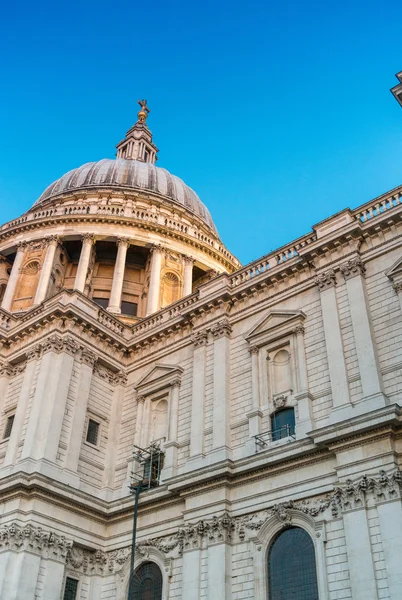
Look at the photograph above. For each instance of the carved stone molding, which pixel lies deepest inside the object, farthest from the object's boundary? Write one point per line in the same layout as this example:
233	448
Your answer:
88	237
200	338
96	562
254	349
326	280
34	353
59	344
299	330
156	248
123	241
222	328
397	286
187	259
119	378
354	494
8	370
34	539
280	401
88	357
353	267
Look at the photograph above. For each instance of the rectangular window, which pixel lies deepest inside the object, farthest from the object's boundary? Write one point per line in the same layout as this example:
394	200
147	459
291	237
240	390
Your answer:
103	302
9	427
71	588
92	432
129	308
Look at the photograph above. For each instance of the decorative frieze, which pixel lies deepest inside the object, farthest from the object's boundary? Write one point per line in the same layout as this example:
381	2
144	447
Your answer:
354	494
59	344
353	267
27	538
325	280
96	562
9	370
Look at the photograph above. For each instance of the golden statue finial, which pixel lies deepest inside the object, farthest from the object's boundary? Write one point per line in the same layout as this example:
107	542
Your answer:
144	112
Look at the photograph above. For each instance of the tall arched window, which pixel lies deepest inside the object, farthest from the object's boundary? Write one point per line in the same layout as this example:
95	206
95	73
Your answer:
292	573
148	582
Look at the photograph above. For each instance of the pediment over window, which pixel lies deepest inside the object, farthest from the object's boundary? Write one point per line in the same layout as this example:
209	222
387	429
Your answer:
395	272
274	325
158	377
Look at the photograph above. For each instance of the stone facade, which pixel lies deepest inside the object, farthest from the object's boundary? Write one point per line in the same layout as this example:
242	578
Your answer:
314	329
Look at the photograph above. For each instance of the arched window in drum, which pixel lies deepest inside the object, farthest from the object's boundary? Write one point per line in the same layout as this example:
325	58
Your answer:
292	573
148	582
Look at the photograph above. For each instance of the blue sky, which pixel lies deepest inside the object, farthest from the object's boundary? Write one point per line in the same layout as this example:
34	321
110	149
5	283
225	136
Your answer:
278	114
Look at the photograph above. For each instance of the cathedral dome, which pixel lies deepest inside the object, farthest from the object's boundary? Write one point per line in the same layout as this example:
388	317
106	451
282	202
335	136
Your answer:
131	175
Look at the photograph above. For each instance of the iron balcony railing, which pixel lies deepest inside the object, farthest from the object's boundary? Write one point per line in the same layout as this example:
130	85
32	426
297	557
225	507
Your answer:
263	440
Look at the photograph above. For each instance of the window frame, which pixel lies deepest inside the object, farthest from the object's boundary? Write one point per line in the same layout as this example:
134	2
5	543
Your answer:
99	432
9	415
75	578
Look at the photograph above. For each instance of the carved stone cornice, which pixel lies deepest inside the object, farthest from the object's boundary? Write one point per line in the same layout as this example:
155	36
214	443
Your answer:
353	267
19	538
325	280
200	338
221	329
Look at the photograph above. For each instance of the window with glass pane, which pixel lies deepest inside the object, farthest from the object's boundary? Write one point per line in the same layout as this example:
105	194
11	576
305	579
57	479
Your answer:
103	302
283	424
9	426
148	582
292	573
129	308
92	432
71	588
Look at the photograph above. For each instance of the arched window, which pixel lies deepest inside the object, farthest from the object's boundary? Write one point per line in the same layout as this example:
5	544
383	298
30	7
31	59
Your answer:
283	423
292	573
148	582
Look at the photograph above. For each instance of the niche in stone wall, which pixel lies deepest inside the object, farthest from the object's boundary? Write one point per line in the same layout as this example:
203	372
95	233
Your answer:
158	420
170	288
27	284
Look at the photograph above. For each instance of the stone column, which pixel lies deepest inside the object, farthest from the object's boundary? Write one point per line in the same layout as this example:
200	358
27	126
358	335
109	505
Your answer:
171	446
255	414
221	406
303	397
192	574
118	276
200	341
334	345
87	363
188	275
83	265
48	404
46	270
369	366
33	356
5	373
154	280
13	279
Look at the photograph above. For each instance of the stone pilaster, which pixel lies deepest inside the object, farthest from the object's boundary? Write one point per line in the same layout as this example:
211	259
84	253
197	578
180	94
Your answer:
192	574
87	363
334	345
221	406
171	446
200	341
113	432
369	366
83	265
255	414
305	421
46	270
118	276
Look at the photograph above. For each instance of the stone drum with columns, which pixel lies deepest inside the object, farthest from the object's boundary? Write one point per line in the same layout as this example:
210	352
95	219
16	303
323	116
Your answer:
274	392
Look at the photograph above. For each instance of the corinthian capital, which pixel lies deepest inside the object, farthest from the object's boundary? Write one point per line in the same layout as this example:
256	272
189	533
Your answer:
326	280
123	241
353	267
